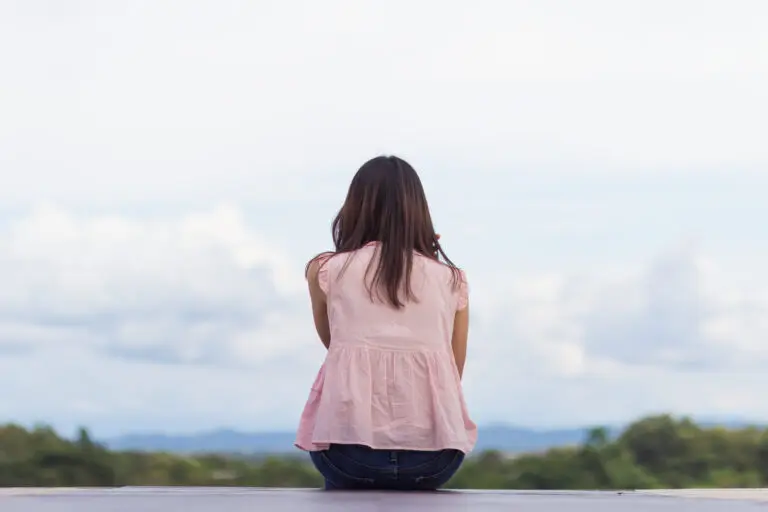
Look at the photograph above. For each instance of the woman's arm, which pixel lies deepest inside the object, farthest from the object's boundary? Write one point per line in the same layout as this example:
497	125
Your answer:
319	304
459	338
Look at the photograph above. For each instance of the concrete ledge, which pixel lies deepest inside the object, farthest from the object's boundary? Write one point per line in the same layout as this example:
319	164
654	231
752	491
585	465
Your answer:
237	499
719	494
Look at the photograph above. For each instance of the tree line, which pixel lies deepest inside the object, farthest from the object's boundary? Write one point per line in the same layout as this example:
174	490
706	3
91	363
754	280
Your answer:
654	452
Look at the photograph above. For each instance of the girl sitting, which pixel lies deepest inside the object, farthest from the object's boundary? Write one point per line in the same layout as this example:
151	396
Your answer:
386	410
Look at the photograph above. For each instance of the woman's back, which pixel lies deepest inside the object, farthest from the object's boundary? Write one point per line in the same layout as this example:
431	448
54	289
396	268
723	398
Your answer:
389	380
424	324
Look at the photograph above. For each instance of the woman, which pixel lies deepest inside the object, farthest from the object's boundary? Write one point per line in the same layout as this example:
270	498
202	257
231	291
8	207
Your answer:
386	410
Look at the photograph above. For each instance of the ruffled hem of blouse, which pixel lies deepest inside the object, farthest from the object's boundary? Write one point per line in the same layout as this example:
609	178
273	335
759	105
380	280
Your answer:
387	400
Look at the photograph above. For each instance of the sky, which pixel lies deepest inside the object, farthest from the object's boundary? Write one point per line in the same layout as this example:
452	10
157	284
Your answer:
598	168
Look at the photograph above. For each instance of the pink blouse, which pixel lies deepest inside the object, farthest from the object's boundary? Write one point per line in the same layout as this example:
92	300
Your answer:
389	380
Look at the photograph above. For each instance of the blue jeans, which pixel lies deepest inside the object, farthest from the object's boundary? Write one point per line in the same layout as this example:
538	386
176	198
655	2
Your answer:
351	466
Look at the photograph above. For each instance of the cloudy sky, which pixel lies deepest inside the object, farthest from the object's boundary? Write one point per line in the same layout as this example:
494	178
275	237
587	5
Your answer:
167	167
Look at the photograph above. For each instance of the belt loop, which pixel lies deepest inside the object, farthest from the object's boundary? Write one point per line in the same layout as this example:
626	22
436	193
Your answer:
393	457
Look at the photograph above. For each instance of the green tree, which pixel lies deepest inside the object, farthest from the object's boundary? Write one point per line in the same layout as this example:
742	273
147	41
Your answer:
657	451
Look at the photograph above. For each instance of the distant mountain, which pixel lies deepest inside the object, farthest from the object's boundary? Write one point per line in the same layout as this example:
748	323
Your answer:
493	437
501	437
219	441
517	439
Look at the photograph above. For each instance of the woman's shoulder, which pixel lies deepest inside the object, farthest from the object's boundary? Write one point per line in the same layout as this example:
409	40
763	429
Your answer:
328	261
314	263
317	270
440	266
455	279
319	260
450	274
318	265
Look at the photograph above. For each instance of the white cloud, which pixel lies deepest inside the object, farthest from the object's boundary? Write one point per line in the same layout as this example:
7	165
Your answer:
538	128
676	334
203	288
679	313
128	322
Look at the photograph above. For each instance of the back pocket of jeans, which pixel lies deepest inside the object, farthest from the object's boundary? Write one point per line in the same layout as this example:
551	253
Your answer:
441	473
341	477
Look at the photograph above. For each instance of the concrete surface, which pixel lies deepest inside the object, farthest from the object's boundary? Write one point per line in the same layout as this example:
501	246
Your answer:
202	499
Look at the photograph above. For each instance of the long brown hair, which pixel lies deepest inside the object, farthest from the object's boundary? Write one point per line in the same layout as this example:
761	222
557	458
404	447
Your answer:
386	203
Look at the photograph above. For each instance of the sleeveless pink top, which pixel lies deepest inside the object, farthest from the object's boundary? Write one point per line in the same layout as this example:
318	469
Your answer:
389	380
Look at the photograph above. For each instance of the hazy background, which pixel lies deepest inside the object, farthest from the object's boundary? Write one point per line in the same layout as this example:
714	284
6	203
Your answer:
599	168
